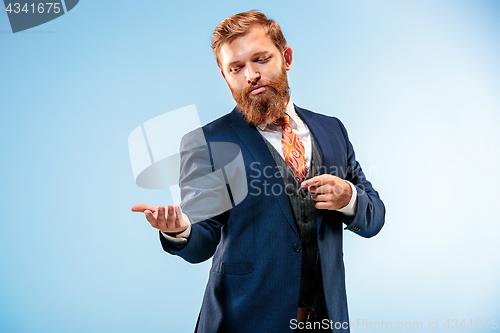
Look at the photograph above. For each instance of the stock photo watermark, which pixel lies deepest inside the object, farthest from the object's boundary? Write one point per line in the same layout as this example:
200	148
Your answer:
221	181
364	324
261	175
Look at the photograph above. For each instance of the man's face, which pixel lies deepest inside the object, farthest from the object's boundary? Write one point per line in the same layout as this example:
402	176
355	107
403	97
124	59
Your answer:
255	71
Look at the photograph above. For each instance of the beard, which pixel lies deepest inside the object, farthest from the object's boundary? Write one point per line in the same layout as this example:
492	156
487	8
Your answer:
267	106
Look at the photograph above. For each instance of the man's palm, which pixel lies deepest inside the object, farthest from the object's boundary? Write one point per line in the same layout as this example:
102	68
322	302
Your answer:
169	220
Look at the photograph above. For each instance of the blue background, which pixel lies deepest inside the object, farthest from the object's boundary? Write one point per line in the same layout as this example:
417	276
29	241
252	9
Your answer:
415	82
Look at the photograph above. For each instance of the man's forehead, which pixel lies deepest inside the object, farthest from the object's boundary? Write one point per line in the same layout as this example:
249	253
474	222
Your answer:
257	40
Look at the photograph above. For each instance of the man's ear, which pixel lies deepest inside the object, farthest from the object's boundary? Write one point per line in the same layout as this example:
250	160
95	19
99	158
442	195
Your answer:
223	74
288	55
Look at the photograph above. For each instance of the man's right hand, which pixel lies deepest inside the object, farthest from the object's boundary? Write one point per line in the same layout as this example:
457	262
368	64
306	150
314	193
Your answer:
174	222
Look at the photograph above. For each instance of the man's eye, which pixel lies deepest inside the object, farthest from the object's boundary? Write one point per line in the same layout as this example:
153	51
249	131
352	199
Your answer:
234	69
262	59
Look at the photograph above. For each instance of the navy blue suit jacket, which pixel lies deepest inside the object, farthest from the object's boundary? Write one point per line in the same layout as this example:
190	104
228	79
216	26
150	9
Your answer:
254	281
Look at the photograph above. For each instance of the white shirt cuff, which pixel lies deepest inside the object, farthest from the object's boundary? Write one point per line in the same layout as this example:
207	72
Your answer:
180	238
350	209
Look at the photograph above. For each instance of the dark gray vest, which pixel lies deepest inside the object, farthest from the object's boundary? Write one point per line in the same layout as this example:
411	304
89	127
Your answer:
305	214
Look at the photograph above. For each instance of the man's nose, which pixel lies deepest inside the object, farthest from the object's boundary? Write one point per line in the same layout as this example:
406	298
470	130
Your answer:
251	74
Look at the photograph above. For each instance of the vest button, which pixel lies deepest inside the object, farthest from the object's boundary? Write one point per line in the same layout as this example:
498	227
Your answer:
302	193
296	248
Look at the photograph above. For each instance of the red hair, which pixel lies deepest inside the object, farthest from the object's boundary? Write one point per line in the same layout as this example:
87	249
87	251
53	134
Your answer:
240	24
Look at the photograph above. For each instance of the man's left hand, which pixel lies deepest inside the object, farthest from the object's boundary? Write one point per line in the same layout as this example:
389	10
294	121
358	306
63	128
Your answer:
329	192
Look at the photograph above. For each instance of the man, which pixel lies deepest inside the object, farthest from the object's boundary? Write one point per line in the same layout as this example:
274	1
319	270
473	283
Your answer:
277	256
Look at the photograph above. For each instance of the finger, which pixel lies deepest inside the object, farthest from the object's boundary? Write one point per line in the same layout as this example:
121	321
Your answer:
161	218
318	180
141	208
177	215
151	219
170	217
320	197
333	191
316	189
322	205
321	189
180	215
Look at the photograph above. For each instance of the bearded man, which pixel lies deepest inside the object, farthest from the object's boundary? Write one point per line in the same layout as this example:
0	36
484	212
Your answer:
277	256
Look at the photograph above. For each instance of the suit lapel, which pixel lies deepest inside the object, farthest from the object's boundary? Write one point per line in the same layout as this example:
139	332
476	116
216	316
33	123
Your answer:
320	134
254	143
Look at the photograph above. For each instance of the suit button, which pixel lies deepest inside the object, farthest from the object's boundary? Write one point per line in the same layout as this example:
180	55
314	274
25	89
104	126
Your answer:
296	248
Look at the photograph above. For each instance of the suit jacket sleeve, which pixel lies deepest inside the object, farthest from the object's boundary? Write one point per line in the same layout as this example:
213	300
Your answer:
201	192
370	211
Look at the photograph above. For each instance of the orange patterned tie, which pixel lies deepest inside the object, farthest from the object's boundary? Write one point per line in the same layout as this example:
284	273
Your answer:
293	149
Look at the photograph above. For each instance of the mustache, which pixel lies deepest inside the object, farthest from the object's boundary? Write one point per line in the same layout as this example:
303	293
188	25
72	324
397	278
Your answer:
266	106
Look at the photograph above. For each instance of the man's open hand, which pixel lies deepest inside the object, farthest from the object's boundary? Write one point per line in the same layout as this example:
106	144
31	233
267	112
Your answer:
329	192
170	220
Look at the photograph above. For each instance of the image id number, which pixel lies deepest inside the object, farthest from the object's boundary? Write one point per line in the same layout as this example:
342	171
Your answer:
478	324
40	8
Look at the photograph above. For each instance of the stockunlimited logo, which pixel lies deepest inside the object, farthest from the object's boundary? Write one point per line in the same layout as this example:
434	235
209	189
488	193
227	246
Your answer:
28	14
